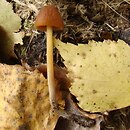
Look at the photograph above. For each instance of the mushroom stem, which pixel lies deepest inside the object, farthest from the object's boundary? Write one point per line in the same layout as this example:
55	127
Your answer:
50	67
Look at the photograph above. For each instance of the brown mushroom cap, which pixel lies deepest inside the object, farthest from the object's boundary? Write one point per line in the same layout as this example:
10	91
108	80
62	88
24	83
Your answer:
49	16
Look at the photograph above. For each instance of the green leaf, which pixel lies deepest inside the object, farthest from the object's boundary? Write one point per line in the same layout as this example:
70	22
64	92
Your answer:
100	72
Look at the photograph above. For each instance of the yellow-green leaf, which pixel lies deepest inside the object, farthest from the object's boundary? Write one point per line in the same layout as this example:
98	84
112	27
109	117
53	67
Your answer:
100	72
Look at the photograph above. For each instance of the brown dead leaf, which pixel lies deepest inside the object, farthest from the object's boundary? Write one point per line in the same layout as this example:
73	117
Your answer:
24	100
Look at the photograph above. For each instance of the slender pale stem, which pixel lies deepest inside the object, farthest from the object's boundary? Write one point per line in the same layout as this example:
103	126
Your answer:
50	67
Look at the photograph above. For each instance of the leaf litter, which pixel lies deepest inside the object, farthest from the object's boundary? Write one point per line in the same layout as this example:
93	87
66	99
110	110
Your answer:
24	100
79	34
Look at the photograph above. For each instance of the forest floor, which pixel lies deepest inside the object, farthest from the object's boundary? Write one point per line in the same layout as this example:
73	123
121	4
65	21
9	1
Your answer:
87	20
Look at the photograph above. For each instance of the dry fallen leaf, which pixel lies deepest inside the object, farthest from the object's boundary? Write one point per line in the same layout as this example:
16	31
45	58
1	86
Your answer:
24	100
100	72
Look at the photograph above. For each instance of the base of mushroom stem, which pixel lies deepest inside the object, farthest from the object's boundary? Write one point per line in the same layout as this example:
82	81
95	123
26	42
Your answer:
54	105
80	119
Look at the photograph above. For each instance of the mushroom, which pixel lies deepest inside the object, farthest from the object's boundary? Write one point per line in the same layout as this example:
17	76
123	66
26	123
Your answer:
49	19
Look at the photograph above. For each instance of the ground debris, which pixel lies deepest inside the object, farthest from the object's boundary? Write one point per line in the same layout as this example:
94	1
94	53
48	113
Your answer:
84	20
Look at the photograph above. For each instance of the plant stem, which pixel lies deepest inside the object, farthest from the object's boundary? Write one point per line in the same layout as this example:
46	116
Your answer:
50	67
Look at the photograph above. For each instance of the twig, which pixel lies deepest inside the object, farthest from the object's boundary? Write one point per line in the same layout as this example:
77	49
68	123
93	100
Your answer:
110	27
30	6
115	11
127	1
